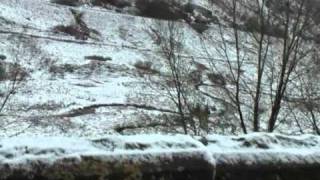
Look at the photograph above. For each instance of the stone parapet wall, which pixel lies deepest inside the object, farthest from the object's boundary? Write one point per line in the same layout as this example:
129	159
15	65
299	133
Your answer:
161	157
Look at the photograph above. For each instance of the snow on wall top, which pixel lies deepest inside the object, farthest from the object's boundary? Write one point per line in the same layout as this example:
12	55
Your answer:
264	149
253	149
20	150
262	142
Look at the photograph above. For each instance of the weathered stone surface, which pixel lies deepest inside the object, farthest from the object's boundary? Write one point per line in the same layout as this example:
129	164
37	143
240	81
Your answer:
139	157
164	166
272	172
159	157
265	157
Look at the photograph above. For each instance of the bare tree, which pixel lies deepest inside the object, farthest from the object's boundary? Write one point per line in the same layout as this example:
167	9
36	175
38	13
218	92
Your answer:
177	79
295	20
234	65
12	77
263	43
307	101
12	87
255	46
259	47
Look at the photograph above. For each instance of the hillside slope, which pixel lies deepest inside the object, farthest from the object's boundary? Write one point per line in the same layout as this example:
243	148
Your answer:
65	73
89	69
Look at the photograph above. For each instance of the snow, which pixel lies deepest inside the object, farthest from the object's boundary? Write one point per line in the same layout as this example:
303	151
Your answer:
22	150
45	95
252	149
32	115
108	82
262	141
264	149
19	150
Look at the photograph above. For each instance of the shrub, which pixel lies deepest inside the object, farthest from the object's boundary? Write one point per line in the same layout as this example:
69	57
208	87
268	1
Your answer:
276	31
79	30
2	72
62	69
252	24
217	79
67	2
117	3
160	9
84	69
10	71
98	58
69	68
3	57
56	70
194	77
145	67
201	67
202	114
199	27
197	10
72	30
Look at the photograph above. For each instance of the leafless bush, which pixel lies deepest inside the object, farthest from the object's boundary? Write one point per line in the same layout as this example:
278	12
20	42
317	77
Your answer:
85	69
160	9
12	71
67	2
72	30
177	79
98	58
79	30
217	79
117	3
145	67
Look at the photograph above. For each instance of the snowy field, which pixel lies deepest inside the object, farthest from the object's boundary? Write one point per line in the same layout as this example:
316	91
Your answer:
79	95
62	78
47	93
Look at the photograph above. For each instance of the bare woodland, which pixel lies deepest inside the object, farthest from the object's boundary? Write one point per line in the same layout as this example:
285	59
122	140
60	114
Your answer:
270	71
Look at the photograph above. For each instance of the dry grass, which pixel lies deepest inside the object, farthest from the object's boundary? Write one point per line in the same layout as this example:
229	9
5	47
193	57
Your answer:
73	30
145	67
10	71
117	3
217	79
98	58
67	2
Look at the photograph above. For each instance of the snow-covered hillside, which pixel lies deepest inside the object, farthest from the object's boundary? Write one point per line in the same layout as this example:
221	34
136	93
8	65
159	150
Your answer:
63	74
82	66
73	77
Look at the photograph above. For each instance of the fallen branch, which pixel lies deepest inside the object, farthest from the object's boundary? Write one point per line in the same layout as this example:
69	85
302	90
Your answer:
91	109
120	129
